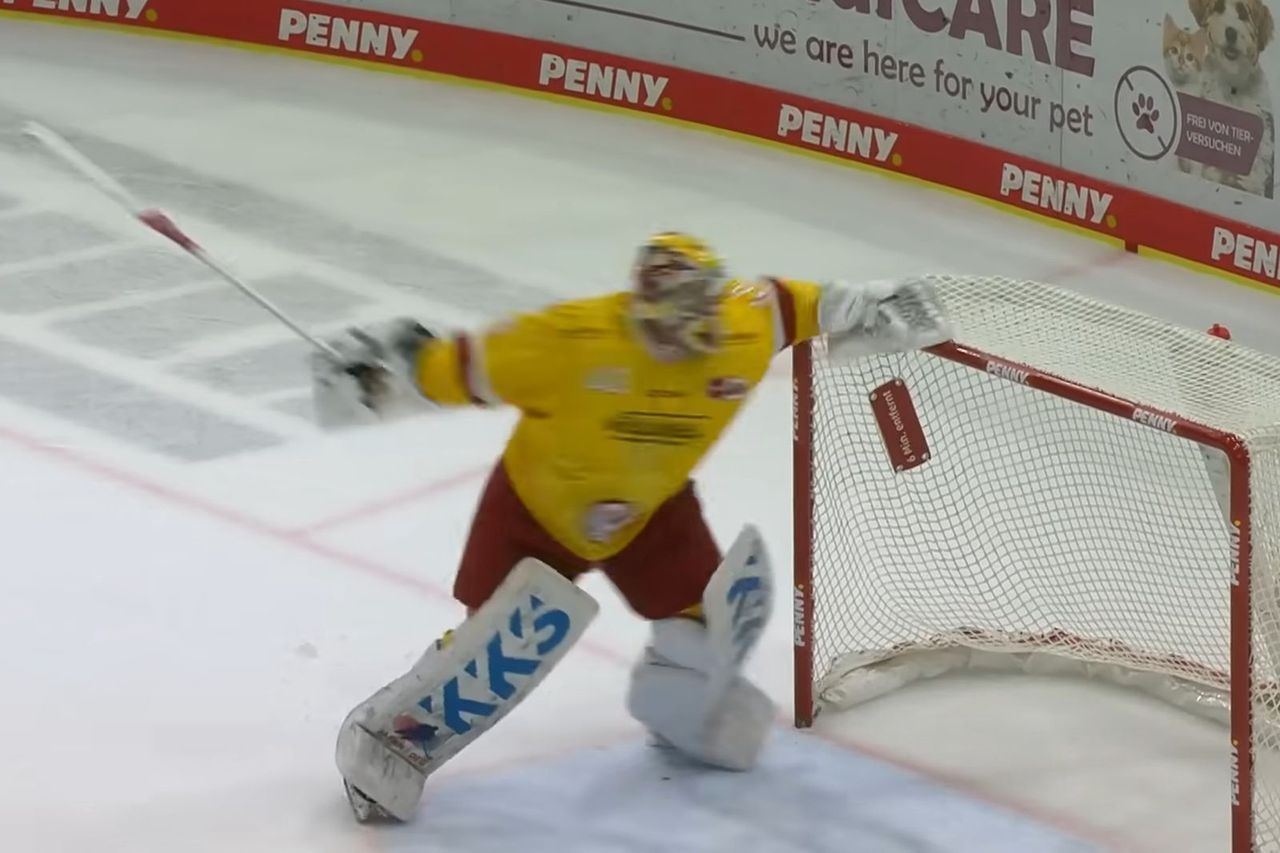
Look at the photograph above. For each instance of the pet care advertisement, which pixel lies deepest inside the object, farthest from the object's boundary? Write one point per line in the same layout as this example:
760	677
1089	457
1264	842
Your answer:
1171	97
1219	123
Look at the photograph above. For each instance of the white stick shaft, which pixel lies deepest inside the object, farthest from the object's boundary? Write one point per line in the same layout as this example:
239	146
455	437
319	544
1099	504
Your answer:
108	185
257	297
163	225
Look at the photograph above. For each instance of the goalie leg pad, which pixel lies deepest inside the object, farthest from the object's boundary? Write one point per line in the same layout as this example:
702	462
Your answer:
672	693
392	742
378	778
687	688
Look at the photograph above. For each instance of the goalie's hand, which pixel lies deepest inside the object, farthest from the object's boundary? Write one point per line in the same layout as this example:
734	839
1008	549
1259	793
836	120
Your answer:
374	378
885	316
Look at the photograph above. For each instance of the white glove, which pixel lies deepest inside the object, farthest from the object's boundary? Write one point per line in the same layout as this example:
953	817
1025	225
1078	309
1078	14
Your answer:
375	380
885	316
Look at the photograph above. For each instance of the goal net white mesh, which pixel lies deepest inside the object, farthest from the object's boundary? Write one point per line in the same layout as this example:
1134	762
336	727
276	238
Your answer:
1041	532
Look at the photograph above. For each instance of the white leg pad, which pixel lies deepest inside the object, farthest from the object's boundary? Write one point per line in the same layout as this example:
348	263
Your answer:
674	694
687	688
391	742
379	772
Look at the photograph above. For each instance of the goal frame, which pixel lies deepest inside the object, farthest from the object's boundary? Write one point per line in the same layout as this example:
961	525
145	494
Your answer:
1240	677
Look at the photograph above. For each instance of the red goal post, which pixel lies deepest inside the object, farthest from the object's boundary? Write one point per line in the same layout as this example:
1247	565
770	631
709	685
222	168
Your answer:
1069	488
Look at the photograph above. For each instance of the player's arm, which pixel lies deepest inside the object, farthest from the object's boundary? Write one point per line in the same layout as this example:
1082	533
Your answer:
859	317
403	368
512	363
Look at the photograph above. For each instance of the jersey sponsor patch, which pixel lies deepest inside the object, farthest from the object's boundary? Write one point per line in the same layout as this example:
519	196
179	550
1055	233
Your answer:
609	380
657	427
728	388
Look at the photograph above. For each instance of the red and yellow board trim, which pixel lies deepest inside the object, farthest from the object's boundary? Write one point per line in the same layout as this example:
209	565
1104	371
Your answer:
1138	221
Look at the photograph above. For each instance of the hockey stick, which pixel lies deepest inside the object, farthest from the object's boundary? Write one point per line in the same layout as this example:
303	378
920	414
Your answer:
160	223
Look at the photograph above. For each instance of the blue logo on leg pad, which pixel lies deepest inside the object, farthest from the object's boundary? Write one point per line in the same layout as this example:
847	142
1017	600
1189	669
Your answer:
488	681
748	598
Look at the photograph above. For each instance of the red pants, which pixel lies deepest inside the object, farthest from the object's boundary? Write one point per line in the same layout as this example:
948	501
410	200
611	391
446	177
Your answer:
660	573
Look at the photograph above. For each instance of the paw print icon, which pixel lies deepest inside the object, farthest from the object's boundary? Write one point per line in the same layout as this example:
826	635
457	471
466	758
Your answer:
1146	113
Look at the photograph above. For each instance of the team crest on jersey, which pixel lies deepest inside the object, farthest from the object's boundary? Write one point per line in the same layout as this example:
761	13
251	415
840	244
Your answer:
609	380
728	388
605	518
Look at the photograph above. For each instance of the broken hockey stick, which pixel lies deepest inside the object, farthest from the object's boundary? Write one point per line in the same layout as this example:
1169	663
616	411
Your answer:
160	223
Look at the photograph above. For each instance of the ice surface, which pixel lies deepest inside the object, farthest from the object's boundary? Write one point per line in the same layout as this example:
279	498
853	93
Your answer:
197	585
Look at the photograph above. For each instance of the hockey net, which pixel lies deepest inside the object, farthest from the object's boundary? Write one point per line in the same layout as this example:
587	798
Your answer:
1072	487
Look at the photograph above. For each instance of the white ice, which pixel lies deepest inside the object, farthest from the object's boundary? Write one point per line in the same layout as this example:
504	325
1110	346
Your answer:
182	638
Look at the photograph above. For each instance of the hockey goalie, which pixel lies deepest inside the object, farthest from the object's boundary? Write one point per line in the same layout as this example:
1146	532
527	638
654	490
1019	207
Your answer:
620	397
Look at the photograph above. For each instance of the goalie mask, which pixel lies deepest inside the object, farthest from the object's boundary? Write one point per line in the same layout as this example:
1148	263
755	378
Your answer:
678	283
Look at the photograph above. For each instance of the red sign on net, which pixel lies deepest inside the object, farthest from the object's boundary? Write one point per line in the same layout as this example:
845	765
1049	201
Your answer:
899	425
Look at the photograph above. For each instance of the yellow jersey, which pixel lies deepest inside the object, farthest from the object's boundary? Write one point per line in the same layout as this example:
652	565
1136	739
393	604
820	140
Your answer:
608	432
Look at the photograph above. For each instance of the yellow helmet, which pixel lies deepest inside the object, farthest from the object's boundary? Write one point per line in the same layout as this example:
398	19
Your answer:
678	283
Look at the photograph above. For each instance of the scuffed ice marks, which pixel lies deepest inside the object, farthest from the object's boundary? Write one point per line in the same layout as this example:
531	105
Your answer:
141	344
128	412
81	280
806	797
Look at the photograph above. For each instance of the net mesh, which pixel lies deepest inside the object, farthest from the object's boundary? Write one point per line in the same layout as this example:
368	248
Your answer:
1041	524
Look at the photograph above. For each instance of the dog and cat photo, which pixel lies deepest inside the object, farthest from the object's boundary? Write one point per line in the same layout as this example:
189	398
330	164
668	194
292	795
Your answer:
1219	58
